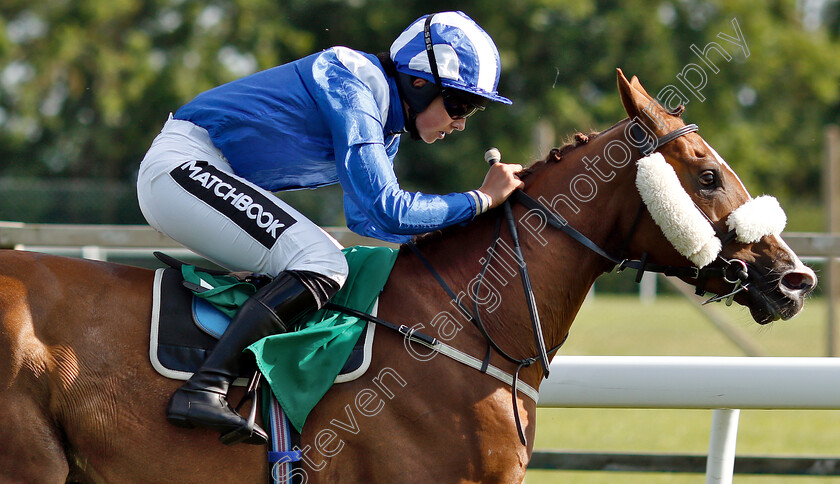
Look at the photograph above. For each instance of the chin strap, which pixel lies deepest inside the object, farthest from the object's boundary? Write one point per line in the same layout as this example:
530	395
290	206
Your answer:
411	124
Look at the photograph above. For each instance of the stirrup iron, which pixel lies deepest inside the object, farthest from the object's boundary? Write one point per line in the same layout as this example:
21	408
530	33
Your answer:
250	431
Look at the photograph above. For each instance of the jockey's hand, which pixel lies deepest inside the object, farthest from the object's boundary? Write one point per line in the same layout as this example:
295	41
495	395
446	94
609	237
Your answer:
500	182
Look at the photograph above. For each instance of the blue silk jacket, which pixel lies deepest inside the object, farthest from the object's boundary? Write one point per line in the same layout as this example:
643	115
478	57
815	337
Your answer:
331	117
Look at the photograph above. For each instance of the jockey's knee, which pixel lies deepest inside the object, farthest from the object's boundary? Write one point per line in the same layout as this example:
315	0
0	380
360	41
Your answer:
323	277
321	286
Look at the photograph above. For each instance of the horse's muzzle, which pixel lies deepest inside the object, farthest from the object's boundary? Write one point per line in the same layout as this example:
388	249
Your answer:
781	298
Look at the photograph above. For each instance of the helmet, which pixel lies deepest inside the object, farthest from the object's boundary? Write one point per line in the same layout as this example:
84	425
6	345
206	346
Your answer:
451	50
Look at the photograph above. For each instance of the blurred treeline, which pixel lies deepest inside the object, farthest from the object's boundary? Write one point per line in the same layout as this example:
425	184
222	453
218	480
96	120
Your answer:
85	85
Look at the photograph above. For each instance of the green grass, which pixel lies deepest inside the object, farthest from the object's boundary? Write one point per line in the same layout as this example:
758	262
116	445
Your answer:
621	325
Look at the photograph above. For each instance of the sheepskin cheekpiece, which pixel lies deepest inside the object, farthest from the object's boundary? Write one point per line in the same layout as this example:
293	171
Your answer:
674	212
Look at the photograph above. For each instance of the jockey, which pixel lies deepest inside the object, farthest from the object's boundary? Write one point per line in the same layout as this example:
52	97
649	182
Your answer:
332	117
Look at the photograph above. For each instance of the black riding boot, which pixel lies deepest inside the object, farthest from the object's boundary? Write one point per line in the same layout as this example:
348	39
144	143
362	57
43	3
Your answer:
201	400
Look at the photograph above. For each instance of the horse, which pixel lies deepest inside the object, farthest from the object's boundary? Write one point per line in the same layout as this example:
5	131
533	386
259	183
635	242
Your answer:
80	402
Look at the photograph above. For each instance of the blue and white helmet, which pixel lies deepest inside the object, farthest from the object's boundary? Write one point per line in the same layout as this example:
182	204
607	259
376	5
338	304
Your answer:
465	56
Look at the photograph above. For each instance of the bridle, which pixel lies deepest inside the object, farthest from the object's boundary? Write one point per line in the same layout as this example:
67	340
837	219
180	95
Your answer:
732	271
646	147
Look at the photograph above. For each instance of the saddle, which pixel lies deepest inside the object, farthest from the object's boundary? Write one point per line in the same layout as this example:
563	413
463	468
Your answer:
185	328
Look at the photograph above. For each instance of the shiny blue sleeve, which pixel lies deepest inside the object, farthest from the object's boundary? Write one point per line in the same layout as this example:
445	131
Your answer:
358	222
364	168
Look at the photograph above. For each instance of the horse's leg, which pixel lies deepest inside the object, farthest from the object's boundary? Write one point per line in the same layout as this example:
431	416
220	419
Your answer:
414	418
78	397
393	424
112	410
30	450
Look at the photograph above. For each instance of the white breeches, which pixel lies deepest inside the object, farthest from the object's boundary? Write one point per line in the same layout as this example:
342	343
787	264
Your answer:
188	191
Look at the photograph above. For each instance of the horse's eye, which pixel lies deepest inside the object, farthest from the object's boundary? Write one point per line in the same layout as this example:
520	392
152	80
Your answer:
708	179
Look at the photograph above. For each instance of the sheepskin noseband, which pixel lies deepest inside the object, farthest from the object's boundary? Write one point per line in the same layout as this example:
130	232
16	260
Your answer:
759	217
685	227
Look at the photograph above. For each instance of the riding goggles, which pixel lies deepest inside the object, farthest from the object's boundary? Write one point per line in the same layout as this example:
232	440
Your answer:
456	106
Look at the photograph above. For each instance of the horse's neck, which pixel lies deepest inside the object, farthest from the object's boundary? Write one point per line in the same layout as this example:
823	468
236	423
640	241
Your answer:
561	269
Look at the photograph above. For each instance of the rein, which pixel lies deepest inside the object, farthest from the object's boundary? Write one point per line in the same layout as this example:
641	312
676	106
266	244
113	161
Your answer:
491	344
519	196
734	271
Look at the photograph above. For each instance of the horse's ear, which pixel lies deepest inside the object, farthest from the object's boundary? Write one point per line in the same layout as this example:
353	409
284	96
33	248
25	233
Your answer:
633	99
638	102
634	81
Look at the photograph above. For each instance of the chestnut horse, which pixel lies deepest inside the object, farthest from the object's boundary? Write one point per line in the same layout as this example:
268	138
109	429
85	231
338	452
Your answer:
80	402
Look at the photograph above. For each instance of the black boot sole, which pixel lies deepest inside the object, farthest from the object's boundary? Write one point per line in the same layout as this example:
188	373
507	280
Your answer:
247	433
244	435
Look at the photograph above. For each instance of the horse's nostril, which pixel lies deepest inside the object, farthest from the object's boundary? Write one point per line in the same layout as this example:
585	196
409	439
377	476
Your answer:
798	281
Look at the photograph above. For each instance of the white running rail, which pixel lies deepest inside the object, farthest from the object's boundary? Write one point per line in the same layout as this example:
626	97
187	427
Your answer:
725	384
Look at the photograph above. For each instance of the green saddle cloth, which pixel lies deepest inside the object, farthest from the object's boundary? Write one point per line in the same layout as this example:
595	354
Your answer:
301	366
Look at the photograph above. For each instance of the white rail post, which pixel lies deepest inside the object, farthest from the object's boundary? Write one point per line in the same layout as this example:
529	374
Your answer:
647	288
720	464
831	197
93	252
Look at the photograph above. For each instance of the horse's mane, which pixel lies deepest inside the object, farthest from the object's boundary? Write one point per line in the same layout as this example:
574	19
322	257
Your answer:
554	156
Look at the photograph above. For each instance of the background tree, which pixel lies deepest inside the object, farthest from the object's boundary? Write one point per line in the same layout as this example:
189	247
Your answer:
85	85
